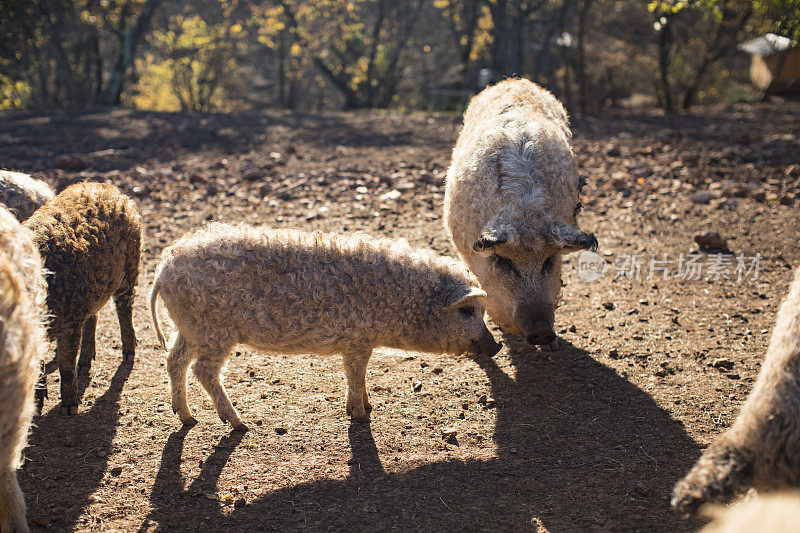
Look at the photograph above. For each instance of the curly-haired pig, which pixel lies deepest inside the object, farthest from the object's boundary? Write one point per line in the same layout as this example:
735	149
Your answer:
511	199
89	237
285	291
22	294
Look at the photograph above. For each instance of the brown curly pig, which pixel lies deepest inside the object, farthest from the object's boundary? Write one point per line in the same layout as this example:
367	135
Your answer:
511	199
762	448
22	294
22	194
89	237
285	291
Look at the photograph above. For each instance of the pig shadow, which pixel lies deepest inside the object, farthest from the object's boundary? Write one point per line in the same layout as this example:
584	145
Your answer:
578	447
67	456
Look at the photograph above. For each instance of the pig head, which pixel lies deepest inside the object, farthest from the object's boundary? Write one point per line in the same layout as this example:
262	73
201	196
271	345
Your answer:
517	259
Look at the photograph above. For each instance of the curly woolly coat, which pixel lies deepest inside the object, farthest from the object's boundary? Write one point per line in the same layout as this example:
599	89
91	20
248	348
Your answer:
89	237
762	448
511	198
285	291
22	293
773	513
22	194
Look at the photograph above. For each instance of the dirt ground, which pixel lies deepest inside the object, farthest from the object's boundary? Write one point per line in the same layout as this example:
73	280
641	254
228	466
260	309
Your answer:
589	437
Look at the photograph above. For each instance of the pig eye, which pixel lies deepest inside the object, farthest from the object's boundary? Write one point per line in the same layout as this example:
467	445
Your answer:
504	263
467	312
547	266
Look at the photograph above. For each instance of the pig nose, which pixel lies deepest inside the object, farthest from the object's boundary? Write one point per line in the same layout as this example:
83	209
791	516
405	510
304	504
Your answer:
493	350
541	334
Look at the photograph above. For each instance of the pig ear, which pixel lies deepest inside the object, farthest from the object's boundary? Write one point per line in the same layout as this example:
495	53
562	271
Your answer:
474	293
570	239
494	234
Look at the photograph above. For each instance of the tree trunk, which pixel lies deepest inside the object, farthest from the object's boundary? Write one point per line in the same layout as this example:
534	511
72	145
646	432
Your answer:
664	49
282	70
583	95
128	40
500	34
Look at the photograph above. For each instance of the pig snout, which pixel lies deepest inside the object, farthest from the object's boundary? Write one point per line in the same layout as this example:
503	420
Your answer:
486	345
541	334
537	326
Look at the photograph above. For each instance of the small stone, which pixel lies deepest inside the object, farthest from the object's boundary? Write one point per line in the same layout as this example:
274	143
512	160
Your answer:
711	240
450	436
281	430
41	521
702	197
723	363
759	196
437	369
787	199
252	174
239	503
609	305
740	191
73	162
614	354
416	386
641	489
116	471
482	399
391	195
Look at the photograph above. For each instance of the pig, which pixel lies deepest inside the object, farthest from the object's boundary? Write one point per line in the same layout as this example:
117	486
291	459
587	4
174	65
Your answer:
775	513
511	201
22	194
90	239
22	293
286	291
762	447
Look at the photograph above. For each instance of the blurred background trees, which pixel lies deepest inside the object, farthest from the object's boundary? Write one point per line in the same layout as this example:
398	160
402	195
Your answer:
228	55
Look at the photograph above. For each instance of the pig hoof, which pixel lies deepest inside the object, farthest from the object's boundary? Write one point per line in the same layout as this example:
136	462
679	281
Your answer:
69	410
553	346
189	422
368	407
361	418
240	428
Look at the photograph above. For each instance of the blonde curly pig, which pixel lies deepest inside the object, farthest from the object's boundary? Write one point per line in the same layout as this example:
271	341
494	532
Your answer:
511	201
762	448
22	294
286	291
775	513
22	194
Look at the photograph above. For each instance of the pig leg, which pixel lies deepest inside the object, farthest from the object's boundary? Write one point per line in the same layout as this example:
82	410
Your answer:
123	300
67	345
41	389
87	345
355	368
12	502
178	361
207	369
